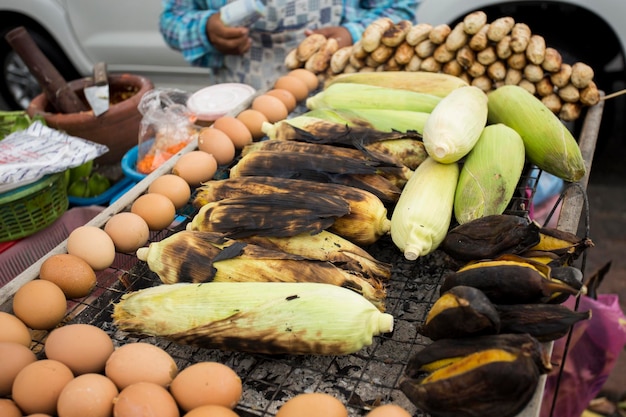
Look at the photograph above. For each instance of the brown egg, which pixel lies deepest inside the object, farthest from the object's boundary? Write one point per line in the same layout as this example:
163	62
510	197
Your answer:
285	96
313	405
388	410
89	395
173	187
236	130
93	245
195	167
38	385
206	383
272	107
8	408
152	399
253	119
157	210
294	85
309	78
40	304
217	143
211	411
140	362
84	348
71	273
13	358
14	330
129	231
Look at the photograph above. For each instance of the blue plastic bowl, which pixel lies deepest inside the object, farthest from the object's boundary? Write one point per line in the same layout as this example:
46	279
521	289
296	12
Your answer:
129	164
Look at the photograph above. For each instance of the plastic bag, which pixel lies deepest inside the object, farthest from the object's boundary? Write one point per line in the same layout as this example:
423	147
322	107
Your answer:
166	127
591	356
27	155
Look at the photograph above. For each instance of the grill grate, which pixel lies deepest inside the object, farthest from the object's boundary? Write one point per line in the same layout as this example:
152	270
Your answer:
361	380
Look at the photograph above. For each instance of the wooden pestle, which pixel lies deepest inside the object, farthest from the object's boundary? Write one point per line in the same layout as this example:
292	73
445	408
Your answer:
58	93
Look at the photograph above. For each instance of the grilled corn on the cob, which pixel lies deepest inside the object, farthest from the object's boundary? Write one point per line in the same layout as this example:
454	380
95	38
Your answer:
271	318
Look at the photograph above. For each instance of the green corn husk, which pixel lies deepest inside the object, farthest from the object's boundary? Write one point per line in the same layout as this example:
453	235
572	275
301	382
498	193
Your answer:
549	144
271	318
490	174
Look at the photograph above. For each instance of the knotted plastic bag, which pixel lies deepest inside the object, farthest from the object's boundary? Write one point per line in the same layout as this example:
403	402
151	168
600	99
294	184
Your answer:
592	352
166	127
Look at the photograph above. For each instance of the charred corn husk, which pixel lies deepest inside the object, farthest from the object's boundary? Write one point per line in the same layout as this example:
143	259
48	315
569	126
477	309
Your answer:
385	120
455	124
363	96
490	174
488	383
549	144
490	236
438	84
270	318
448	350
545	322
509	280
422	215
316	130
282	214
197	257
365	223
292	164
385	184
462	311
327	246
410	152
567	246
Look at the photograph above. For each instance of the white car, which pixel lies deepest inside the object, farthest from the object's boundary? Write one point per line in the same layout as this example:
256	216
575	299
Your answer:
75	34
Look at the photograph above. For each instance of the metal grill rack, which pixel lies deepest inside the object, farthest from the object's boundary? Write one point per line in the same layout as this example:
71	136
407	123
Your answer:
361	380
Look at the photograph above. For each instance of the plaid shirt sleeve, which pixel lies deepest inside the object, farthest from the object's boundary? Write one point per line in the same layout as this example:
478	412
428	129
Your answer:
357	15
183	26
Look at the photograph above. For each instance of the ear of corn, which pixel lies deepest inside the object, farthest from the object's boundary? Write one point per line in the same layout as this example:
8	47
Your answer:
365	223
385	185
281	214
197	257
409	152
306	128
271	318
385	120
422	215
363	96
455	124
490	174
327	246
549	144
437	84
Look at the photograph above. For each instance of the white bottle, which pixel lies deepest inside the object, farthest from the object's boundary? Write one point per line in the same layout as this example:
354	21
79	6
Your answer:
242	12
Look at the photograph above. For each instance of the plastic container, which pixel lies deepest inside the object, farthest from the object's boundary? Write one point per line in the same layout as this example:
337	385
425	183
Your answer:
129	165
211	103
105	198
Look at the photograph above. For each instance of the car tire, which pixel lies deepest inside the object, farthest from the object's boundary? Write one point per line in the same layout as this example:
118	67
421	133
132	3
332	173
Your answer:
17	85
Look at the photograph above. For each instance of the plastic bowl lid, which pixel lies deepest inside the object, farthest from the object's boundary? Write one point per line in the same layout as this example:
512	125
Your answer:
211	103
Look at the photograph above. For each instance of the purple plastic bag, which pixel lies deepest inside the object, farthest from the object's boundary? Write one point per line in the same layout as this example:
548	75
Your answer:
592	353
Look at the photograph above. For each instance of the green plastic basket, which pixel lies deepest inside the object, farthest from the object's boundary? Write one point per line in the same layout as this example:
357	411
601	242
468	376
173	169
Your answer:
30	208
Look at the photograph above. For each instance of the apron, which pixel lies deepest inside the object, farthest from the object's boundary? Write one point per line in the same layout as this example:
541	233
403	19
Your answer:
273	36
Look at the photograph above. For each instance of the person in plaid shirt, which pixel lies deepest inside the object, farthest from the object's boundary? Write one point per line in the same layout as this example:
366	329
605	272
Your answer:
255	55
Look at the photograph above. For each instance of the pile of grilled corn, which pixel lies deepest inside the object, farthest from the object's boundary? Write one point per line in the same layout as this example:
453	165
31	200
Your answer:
486	54
277	248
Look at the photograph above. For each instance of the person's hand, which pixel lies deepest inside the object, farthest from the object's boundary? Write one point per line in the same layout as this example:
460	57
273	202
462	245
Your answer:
341	34
227	40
